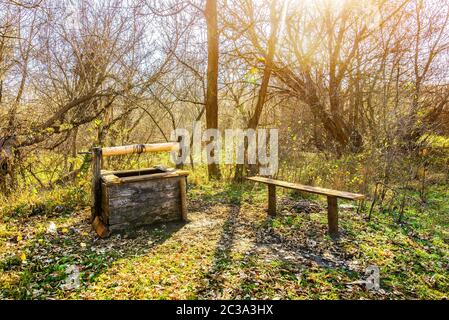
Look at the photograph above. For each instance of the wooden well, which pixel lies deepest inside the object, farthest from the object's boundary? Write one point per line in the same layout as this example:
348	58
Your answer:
135	198
124	200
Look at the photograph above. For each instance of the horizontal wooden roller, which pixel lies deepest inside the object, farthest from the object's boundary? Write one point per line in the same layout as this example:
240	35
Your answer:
140	148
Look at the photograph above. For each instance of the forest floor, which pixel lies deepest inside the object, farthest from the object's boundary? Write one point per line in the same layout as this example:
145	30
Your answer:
229	249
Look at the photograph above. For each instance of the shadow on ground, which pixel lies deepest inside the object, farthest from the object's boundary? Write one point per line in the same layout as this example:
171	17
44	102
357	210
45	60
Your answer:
229	249
38	269
252	243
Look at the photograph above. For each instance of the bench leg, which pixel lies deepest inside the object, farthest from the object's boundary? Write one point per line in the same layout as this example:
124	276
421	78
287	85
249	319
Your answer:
332	216
271	200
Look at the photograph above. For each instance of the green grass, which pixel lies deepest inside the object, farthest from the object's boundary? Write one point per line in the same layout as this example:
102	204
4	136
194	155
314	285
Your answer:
228	250
55	202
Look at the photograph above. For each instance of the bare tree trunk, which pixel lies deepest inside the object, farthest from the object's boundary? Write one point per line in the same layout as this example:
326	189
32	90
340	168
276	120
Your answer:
275	21
255	118
212	79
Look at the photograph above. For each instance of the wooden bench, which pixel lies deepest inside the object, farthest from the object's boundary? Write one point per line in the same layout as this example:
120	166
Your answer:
332	196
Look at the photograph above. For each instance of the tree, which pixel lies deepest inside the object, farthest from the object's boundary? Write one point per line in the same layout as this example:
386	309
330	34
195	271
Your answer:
210	13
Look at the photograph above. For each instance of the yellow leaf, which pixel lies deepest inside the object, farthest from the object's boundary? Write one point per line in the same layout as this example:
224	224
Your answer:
19	238
23	257
83	245
65	230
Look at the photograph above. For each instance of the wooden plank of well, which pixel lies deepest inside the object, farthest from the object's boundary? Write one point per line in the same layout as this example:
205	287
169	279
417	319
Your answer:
164	211
142	203
144	190
146	201
111	179
155	176
104	204
316	190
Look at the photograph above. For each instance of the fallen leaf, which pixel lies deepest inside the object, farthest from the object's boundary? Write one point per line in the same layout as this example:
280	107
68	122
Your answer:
52	228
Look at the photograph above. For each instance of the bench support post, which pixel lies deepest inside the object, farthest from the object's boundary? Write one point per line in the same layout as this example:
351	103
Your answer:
271	200
332	216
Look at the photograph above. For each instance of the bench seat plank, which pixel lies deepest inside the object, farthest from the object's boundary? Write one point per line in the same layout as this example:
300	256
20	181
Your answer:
316	190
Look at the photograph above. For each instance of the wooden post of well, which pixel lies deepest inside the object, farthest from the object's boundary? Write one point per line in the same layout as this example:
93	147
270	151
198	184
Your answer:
271	200
182	191
96	183
332	216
